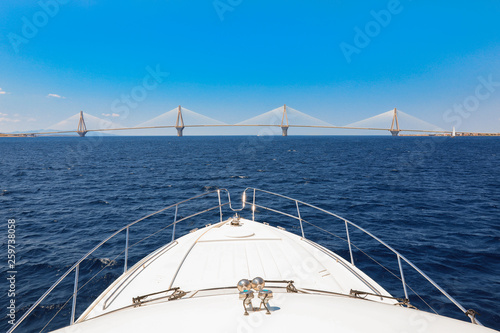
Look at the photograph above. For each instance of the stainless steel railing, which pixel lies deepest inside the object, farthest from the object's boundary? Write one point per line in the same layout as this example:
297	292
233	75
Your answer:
254	206
76	266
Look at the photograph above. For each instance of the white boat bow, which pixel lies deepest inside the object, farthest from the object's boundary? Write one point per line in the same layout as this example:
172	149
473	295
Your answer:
191	284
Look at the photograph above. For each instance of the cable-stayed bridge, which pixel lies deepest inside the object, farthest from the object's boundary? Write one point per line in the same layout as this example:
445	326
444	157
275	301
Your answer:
277	121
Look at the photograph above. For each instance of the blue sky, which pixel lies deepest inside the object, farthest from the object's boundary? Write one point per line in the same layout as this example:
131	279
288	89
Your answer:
234	59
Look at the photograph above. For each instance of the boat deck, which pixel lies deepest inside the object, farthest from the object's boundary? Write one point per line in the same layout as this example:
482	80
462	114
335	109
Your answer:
218	256
189	285
291	312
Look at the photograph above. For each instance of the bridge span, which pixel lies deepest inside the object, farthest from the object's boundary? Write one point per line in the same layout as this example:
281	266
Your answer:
284	125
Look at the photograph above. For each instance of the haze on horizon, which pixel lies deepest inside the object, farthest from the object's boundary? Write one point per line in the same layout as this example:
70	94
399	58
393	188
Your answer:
232	60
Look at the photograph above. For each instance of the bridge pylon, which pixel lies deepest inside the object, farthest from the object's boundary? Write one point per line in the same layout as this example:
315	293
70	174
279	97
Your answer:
395	131
179	124
82	128
284	122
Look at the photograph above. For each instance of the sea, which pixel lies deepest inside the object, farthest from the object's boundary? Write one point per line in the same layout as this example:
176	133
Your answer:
435	200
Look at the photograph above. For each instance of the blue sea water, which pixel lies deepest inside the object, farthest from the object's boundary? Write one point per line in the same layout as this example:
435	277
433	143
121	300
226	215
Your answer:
435	199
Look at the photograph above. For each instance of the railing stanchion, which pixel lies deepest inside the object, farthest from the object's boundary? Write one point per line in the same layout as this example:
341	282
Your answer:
220	206
126	251
300	219
349	242
75	290
253	206
175	222
402	276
